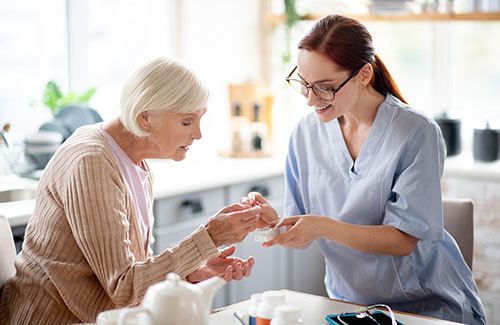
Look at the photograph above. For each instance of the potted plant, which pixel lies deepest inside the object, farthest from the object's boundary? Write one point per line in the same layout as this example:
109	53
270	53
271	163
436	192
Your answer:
54	99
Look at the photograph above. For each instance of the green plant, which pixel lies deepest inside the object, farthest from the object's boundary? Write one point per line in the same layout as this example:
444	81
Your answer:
54	99
292	17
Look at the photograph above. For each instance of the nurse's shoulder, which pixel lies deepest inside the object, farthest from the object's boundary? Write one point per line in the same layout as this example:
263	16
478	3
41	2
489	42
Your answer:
409	120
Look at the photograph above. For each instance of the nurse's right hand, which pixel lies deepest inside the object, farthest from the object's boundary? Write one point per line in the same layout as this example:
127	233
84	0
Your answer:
268	214
232	223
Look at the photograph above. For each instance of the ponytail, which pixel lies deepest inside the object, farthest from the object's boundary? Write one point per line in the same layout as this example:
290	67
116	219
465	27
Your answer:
382	80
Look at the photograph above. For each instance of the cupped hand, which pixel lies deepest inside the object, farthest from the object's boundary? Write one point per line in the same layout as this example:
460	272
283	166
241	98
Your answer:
267	214
232	223
227	267
301	231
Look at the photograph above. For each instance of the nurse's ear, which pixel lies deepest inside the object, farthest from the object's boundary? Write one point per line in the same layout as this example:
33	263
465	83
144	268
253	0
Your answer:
366	74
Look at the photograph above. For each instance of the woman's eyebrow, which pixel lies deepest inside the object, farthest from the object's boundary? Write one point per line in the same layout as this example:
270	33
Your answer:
317	81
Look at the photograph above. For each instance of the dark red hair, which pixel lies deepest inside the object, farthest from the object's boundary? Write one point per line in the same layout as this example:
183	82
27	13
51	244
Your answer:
348	43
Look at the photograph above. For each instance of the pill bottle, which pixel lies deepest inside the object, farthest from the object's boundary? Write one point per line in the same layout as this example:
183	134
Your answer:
287	315
255	299
265	310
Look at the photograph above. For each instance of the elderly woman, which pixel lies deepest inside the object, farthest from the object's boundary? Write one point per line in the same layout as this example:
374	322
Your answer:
86	246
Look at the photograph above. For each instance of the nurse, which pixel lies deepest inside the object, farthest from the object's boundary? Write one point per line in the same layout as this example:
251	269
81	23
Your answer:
363	179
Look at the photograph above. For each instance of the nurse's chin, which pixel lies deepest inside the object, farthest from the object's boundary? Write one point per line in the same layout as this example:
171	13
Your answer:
325	118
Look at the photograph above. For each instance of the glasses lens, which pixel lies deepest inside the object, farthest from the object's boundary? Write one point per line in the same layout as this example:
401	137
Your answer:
298	87
324	94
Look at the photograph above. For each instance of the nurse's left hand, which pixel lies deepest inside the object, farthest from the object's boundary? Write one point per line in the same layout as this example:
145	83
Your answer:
227	267
302	230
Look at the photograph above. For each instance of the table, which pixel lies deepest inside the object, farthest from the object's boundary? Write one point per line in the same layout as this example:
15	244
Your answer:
313	310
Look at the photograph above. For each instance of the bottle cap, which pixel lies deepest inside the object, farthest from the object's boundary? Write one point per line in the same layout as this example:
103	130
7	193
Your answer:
287	313
274	297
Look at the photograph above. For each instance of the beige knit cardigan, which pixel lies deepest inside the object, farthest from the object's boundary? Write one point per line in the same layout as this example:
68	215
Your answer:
82	251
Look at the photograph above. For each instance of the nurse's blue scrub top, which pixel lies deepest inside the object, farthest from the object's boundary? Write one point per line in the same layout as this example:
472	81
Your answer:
395	181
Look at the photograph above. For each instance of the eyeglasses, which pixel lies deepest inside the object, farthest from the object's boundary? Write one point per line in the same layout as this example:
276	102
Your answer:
323	93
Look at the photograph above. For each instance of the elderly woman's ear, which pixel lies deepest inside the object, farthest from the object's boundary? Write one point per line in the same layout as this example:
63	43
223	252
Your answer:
144	120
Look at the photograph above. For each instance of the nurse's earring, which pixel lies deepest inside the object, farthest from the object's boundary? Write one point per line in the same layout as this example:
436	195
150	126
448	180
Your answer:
145	127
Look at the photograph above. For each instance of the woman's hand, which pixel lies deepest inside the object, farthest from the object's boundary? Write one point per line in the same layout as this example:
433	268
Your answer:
232	224
301	231
224	266
267	214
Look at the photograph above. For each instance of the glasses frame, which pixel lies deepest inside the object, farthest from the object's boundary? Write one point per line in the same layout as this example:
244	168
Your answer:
313	87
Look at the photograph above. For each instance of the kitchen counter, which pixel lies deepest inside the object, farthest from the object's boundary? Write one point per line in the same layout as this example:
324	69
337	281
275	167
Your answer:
313	310
464	166
170	179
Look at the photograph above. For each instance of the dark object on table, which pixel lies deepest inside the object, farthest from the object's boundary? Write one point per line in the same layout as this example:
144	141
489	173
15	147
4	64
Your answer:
41	146
71	118
451	129
486	143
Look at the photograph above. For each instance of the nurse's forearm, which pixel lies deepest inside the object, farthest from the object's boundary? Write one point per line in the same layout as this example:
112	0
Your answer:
379	239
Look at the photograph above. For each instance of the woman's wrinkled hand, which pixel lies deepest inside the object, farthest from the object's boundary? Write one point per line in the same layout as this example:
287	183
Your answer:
227	267
232	223
301	231
268	214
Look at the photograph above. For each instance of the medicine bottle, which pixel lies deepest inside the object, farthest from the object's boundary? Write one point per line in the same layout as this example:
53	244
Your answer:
287	315
265	310
255	300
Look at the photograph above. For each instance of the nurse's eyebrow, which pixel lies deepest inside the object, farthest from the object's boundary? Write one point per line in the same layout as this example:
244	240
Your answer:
317	81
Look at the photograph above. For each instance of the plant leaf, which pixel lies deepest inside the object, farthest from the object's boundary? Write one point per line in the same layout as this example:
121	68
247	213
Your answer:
85	97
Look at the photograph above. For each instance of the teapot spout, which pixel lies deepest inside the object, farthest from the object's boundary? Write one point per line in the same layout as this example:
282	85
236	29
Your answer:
209	287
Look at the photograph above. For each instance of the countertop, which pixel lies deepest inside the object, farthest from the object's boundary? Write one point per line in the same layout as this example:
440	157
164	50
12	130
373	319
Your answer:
170	179
314	308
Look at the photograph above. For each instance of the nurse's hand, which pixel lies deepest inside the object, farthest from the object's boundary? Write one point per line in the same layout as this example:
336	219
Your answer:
268	214
232	224
301	231
227	267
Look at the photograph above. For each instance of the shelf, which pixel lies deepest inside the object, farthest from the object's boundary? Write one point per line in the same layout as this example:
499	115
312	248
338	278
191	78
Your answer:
475	16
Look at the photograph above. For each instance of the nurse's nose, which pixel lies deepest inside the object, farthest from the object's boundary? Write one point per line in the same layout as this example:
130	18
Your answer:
314	101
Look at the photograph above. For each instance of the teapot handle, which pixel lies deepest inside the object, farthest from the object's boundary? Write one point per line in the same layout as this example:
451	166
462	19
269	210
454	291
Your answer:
126	312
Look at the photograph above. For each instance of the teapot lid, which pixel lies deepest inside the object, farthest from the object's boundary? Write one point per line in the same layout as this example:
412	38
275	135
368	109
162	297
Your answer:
174	286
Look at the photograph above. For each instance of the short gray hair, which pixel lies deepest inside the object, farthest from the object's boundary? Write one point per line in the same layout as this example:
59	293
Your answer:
162	85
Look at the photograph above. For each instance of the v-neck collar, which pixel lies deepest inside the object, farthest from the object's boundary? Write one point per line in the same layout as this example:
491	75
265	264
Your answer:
371	145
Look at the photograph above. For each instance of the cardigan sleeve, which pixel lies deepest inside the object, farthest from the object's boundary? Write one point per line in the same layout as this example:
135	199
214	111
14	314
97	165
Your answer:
97	207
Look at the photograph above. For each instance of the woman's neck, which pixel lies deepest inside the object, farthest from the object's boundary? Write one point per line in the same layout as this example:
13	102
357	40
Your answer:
132	145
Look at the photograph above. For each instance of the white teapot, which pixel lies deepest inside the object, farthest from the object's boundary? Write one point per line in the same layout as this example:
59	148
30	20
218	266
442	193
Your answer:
176	302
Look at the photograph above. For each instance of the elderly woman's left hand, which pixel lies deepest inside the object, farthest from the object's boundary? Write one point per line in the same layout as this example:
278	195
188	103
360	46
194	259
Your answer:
227	267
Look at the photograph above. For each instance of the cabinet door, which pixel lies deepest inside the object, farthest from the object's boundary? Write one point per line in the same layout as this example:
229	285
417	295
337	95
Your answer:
307	270
169	236
188	206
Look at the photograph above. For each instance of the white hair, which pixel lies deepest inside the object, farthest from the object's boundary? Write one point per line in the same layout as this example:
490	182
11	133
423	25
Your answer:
162	85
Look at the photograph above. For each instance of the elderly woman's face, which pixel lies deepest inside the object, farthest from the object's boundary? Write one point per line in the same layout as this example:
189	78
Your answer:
173	133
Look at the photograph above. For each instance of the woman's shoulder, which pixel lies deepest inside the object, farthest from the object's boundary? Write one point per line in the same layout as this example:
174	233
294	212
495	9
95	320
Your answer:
407	117
86	144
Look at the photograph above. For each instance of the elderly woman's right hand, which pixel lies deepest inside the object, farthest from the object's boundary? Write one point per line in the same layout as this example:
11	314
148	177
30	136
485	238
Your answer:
268	214
232	224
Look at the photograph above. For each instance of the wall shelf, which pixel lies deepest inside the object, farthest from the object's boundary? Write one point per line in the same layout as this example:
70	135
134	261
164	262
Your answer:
474	16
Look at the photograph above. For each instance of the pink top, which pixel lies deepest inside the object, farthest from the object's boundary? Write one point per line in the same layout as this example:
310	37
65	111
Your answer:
137	180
